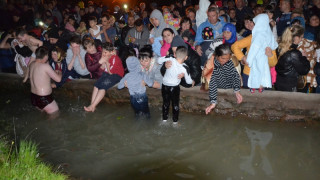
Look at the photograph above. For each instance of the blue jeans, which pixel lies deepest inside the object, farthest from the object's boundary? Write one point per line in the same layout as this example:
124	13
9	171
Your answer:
139	102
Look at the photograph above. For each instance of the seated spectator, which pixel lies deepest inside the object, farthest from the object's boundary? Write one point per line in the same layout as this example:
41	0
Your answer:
76	57
312	27
92	58
70	24
82	29
137	37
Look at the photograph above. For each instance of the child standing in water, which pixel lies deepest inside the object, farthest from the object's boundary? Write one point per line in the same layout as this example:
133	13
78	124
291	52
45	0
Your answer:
170	86
112	75
135	81
40	79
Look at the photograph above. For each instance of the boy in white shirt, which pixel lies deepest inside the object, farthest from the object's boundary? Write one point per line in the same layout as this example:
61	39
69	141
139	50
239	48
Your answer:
170	86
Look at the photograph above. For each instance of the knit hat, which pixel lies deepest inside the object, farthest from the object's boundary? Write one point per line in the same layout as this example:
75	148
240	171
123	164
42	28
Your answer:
207	33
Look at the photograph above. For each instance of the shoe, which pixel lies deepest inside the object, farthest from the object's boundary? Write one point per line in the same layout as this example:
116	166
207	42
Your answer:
164	120
252	90
175	123
261	90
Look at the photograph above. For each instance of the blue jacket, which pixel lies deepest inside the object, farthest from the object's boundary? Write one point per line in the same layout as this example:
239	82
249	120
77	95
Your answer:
217	30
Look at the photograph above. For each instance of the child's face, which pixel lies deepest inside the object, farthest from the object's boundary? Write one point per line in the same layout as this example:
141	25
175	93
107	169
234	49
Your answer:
82	24
227	34
314	21
91	49
270	15
54	56
145	63
185	26
107	54
92	23
232	14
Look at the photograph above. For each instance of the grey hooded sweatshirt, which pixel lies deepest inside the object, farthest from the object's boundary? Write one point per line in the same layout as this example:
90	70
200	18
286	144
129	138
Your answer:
135	77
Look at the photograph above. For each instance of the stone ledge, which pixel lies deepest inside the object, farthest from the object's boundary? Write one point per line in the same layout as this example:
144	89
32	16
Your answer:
269	105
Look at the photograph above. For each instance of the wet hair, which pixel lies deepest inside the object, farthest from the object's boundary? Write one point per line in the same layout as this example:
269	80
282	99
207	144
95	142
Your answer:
61	53
75	39
20	32
184	20
92	18
41	52
221	50
167	29
86	42
181	52
108	46
146	52
138	22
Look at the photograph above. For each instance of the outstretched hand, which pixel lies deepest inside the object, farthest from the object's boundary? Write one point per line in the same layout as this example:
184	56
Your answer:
209	108
239	97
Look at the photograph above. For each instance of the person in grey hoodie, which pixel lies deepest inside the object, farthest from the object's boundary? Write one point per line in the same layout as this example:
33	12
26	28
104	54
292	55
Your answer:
138	36
135	81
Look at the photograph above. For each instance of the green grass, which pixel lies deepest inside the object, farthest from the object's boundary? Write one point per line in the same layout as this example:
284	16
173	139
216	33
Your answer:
25	164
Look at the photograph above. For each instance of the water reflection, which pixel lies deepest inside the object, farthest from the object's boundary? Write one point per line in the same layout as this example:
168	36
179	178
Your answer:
111	144
259	141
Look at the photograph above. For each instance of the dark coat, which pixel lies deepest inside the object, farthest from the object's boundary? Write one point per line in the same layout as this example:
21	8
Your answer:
290	65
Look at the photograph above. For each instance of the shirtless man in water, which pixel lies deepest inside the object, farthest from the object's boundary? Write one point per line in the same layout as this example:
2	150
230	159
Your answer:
40	79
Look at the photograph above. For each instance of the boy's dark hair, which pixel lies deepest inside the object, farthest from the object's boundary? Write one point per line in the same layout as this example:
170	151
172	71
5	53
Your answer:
184	20
92	18
108	46
181	52
86	42
41	52
75	39
248	17
20	32
138	22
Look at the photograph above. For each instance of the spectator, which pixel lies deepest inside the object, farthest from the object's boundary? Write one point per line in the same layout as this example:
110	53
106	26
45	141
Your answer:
137	37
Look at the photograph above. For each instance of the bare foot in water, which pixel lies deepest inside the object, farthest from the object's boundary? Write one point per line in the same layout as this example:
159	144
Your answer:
89	108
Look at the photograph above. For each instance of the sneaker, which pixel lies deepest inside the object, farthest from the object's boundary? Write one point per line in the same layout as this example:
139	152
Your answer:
261	90
252	90
175	122
164	120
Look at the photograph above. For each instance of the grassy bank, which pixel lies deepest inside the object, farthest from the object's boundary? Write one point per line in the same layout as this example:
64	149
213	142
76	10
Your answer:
25	164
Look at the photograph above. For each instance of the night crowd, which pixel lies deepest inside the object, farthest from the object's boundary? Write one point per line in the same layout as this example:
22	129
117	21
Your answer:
254	45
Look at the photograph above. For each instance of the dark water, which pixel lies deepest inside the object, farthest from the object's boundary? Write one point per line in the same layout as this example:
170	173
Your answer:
111	144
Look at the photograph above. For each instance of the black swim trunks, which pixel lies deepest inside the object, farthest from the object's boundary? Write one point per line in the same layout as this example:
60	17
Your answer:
41	101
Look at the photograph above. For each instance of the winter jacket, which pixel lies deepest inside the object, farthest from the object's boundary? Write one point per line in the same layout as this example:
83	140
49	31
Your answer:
290	65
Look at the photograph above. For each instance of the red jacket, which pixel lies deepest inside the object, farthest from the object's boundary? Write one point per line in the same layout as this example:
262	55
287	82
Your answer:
116	65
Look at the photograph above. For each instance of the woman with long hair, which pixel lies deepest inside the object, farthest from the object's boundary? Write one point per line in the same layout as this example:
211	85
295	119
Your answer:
292	63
